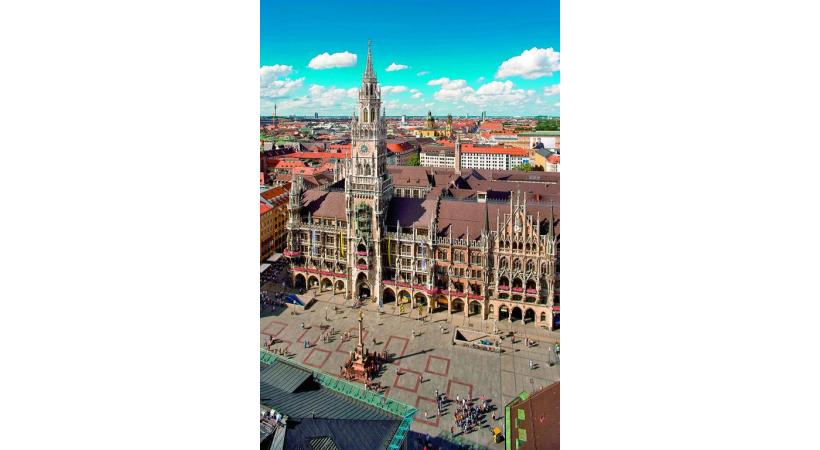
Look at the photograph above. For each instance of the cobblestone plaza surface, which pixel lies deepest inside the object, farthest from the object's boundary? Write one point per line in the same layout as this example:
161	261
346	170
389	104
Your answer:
454	370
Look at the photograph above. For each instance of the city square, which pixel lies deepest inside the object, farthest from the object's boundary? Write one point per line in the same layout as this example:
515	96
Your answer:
418	349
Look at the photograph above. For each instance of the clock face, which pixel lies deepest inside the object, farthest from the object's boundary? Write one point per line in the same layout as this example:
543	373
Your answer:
363	148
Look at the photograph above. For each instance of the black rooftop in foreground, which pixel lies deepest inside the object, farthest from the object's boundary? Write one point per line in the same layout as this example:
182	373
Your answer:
319	417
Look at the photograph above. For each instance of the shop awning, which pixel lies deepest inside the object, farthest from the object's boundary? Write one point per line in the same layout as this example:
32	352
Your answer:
263	267
275	257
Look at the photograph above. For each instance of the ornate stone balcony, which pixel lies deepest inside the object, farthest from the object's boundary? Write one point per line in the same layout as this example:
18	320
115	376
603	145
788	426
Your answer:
361	266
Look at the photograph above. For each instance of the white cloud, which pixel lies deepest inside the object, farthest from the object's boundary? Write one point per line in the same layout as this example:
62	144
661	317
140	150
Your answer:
423	72
393	89
275	71
328	61
394	67
450	90
552	90
270	84
322	98
558	105
495	93
413	91
480	79
531	64
498	93
280	88
416	95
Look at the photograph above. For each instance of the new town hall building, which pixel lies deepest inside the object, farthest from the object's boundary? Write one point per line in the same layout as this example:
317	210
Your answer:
481	243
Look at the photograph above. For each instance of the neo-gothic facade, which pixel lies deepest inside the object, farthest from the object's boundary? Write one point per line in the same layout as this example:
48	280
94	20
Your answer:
474	242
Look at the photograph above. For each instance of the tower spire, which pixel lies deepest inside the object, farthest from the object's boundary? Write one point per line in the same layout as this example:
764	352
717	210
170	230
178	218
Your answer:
368	71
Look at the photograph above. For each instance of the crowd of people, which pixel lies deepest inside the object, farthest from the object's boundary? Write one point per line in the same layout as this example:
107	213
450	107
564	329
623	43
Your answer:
267	302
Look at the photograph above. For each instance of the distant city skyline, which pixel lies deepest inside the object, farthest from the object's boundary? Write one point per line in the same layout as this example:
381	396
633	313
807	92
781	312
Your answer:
437	56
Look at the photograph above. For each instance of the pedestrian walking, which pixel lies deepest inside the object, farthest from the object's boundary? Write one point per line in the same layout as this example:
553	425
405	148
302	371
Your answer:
531	365
425	415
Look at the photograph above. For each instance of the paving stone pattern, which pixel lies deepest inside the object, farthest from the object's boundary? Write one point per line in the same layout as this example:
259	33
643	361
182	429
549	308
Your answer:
451	369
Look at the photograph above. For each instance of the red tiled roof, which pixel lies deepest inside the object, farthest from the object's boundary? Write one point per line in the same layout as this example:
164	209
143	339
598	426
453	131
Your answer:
318	155
399	147
496	126
275	192
264	207
288	164
554	159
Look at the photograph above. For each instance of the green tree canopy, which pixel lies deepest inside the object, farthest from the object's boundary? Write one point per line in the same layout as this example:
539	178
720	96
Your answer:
414	160
548	125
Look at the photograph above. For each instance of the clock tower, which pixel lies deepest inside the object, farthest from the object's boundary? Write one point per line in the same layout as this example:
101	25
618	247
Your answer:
368	189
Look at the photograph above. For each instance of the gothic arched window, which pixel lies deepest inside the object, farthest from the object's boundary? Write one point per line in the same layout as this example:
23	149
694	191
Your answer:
365	115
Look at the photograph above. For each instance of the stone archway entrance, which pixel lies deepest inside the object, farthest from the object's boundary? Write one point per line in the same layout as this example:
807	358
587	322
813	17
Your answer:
362	287
516	314
327	285
420	299
313	282
529	315
340	286
458	305
440	304
299	281
503	313
388	296
475	308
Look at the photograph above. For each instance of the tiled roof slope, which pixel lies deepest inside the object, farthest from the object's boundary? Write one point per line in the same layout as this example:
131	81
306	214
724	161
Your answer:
317	415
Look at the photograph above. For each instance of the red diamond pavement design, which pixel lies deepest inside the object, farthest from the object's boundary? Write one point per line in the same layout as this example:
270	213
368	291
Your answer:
452	395
312	351
399	353
268	330
430	359
410	374
313	338
422	406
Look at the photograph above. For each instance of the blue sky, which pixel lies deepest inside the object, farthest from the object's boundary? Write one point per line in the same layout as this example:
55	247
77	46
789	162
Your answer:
461	57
